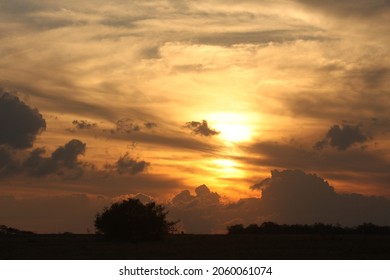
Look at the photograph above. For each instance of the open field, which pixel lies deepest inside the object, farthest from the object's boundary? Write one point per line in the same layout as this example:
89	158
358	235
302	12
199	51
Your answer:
78	247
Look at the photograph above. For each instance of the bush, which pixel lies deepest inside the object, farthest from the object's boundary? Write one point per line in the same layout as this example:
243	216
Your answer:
134	221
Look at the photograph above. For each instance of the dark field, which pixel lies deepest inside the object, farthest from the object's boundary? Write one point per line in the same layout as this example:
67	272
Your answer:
273	247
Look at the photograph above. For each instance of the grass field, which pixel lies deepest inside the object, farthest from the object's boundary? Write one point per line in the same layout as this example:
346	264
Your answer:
202	247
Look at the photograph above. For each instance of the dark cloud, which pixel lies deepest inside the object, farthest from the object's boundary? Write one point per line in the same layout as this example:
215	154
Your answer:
63	161
292	196
376	77
68	154
19	123
8	162
360	166
201	128
281	155
19	7
150	125
260	37
65	103
288	196
120	22
363	103
125	125
127	165
151	53
343	137
167	138
34	14
350	8
84	124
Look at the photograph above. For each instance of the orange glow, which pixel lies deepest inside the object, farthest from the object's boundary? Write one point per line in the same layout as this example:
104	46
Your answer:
233	127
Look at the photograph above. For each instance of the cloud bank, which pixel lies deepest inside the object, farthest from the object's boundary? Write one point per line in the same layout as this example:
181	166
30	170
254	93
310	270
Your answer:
288	196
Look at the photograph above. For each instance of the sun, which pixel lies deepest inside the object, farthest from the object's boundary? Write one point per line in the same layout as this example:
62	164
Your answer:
233	127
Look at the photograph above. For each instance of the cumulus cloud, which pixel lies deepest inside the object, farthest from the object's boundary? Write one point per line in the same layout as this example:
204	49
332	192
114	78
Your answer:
342	137
198	213
288	196
293	196
19	123
127	165
63	161
201	128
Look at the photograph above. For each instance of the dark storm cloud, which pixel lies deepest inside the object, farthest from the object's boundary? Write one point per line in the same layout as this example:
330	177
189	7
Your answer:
19	123
348	8
127	165
63	161
84	124
342	137
201	128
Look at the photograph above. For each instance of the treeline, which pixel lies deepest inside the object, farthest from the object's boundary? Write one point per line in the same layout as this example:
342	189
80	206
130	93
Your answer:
4	230
318	228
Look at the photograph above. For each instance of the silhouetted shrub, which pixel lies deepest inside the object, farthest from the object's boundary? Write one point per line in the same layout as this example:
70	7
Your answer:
134	221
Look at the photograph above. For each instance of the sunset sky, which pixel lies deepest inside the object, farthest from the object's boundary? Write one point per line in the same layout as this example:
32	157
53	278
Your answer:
193	104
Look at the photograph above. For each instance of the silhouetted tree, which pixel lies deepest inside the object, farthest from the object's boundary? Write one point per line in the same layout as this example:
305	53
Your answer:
236	229
132	220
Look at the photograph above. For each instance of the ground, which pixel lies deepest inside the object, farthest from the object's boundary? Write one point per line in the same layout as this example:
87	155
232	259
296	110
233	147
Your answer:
270	247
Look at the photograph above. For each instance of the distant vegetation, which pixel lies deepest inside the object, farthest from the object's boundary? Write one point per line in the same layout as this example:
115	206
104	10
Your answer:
4	230
318	228
133	221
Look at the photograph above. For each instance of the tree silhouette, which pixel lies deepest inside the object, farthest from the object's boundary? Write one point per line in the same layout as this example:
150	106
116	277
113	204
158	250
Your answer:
134	221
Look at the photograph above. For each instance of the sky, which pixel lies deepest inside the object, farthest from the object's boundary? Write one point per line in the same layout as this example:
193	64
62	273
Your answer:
224	111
